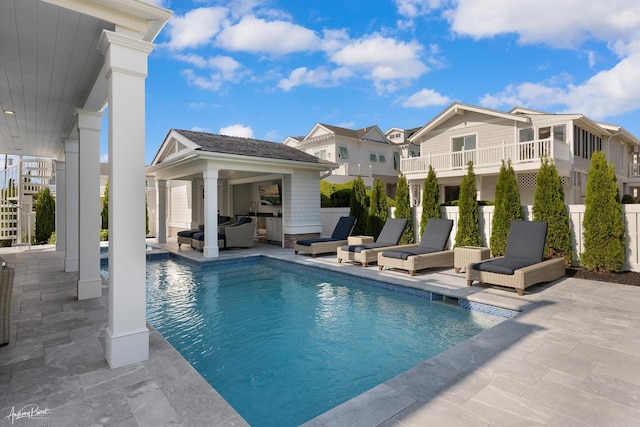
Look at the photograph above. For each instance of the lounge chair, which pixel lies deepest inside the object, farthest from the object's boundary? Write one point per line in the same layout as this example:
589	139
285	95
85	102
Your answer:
430	252
185	236
368	252
522	265
239	235
321	245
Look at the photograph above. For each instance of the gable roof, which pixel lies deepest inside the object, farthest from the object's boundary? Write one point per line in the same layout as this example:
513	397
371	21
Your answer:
234	145
369	133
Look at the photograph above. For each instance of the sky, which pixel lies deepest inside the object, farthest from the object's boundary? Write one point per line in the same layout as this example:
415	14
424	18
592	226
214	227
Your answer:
268	69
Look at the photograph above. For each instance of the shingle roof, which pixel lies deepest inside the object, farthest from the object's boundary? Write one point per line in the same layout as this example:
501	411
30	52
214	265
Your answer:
358	133
248	147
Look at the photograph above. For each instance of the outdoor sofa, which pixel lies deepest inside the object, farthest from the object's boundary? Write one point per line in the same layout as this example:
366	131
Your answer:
368	252
239	235
321	245
522	265
430	252
186	236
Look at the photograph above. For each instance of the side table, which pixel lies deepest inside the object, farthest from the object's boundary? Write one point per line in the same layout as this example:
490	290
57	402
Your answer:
465	255
359	240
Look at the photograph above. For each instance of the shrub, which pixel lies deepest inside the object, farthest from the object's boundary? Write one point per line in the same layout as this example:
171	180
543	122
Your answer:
627	199
378	212
340	198
603	225
548	205
104	215
507	209
468	233
430	199
104	235
358	203
45	216
52	239
403	210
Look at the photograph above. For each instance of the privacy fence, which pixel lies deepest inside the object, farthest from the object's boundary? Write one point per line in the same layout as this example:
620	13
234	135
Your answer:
631	215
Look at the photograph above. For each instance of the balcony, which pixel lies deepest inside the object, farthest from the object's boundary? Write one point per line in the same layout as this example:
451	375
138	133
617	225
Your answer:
519	153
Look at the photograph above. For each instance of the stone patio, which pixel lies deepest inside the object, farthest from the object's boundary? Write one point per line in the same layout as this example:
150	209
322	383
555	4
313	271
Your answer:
571	358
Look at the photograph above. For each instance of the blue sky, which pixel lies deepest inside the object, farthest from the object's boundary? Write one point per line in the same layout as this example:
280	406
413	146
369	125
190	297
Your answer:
274	68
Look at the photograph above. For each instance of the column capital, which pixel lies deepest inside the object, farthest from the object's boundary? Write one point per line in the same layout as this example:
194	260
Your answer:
89	120
60	165
70	145
120	53
210	174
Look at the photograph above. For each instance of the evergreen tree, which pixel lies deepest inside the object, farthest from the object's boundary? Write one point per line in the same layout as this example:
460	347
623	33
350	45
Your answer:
358	205
378	212
146	209
548	205
507	209
403	210
603	225
105	207
468	233
45	216
430	199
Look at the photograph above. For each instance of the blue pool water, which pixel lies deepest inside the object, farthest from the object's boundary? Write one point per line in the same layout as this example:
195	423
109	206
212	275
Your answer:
283	343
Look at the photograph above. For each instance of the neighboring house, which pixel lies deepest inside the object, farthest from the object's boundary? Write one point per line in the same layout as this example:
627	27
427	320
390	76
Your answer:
400	138
199	175
463	132
366	152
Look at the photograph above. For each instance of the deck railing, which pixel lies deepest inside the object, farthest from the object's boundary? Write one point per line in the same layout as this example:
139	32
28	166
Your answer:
522	152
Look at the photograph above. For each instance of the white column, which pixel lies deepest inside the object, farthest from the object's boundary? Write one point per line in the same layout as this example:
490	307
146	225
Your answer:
72	176
161	211
127	336
89	281
61	200
210	249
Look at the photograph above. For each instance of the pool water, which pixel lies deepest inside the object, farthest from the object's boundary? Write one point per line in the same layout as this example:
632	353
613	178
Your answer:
283	343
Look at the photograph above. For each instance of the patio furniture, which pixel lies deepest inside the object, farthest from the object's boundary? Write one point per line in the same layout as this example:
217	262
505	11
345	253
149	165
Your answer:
185	236
358	240
522	265
465	255
321	245
239	235
430	252
368	252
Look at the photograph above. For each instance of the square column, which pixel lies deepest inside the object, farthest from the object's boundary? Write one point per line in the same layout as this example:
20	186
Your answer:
161	211
72	176
61	212
127	336
89	280
210	249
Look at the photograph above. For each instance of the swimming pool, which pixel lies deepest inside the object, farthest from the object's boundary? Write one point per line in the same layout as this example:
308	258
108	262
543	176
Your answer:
283	343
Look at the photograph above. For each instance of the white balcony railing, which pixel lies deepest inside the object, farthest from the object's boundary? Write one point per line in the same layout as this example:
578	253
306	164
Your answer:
522	152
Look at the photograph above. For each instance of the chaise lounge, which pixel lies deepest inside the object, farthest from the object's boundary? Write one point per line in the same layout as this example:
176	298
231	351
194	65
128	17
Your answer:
321	245
186	236
430	252
522	265
368	252
239	235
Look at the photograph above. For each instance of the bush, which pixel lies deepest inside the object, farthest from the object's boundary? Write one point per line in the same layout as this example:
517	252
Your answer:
358	203
104	215
52	239
507	209
548	205
603	225
104	235
340	198
430	199
403	210
627	199
45	216
379	211
468	233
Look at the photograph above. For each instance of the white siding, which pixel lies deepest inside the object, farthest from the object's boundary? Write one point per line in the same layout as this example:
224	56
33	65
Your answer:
180	205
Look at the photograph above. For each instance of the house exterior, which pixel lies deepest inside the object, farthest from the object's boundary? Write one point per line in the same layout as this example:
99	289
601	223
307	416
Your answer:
366	152
199	175
463	133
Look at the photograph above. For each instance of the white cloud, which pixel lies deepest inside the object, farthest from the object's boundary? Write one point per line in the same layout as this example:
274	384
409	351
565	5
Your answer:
223	69
201	129
415	8
272	135
320	77
256	35
425	98
104	158
196	28
237	130
390	63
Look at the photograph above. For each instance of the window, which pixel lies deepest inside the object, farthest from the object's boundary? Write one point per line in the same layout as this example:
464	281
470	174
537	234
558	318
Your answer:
544	133
585	143
322	154
413	153
463	143
559	133
526	135
382	158
373	157
396	160
343	153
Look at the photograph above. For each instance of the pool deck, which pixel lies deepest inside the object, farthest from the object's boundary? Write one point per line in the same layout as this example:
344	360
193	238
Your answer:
571	358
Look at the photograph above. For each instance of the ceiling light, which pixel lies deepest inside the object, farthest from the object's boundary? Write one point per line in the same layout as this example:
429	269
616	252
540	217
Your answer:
9	112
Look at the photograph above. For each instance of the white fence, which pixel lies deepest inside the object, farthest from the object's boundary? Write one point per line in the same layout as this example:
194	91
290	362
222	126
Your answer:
631	215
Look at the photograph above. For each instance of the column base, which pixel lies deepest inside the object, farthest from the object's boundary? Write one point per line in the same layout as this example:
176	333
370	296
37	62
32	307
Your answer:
71	264
126	349
210	251
88	289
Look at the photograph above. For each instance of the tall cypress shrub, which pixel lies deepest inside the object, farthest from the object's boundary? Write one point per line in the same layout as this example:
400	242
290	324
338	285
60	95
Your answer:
507	209
403	210
430	199
468	233
603	225
358	205
104	215
548	205
378	211
45	216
